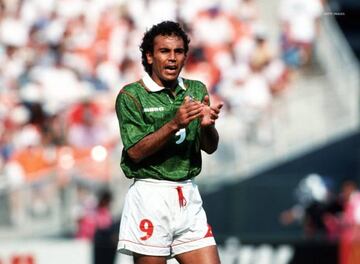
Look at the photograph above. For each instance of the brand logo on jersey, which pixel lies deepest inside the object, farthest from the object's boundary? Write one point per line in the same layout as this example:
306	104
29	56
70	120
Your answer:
154	109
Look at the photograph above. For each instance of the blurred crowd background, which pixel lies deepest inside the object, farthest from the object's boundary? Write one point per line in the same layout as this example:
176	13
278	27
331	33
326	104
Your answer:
63	62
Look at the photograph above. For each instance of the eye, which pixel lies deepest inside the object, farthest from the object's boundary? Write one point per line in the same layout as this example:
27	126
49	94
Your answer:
164	50
179	51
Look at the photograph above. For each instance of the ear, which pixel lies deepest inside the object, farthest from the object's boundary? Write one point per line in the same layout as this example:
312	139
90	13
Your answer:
184	62
149	57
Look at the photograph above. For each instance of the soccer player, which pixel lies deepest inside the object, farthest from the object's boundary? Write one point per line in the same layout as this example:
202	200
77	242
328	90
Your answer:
165	122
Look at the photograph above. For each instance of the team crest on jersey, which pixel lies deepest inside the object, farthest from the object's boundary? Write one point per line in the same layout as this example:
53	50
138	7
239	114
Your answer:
154	109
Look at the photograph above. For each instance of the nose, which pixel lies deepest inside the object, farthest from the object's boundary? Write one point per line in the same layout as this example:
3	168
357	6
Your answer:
172	56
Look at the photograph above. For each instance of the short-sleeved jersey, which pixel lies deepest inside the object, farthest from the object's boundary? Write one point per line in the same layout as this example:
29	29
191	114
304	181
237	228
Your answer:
142	108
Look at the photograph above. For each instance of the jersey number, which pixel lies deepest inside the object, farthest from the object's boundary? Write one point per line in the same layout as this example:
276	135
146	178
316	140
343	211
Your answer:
182	134
147	227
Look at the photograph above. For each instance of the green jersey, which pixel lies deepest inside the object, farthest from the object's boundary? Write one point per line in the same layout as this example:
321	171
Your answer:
142	108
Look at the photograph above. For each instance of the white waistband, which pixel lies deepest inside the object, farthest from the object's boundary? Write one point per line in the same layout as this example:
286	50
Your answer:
165	182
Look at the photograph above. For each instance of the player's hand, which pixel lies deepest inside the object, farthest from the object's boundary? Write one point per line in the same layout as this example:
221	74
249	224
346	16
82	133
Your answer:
210	113
188	111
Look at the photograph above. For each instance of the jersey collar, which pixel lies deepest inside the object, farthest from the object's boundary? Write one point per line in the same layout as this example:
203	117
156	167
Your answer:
152	86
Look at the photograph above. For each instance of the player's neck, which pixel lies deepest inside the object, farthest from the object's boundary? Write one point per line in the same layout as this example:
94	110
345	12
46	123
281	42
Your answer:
167	84
171	85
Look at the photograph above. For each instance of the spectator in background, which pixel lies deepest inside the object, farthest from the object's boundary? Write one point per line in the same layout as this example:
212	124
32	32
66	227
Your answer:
256	101
54	131
93	217
85	128
198	67
250	97
13	178
273	69
350	195
350	223
248	13
31	155
341	224
216	20
106	233
316	203
300	28
96	224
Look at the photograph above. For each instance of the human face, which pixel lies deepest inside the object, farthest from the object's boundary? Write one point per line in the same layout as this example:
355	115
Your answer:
167	59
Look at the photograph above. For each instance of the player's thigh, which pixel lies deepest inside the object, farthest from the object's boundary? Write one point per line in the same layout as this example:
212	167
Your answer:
206	255
143	259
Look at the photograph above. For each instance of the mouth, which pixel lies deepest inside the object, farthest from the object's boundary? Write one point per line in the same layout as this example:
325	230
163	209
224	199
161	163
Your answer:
171	69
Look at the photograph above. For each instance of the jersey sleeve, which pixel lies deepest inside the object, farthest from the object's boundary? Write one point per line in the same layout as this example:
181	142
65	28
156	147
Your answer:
131	122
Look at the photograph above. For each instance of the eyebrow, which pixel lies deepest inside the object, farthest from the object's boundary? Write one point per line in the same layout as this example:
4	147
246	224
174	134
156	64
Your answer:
167	49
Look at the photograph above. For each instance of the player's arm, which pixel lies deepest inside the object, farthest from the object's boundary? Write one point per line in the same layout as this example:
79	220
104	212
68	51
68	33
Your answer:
209	138
153	142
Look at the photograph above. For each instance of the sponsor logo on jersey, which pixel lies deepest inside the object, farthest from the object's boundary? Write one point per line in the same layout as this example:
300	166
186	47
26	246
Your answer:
154	109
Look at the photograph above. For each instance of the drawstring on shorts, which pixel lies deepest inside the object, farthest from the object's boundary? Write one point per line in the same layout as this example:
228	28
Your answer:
182	200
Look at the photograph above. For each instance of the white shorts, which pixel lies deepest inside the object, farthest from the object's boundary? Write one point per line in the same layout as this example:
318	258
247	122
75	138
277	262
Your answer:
163	218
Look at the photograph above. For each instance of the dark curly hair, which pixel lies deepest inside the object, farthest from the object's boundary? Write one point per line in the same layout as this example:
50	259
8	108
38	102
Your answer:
165	28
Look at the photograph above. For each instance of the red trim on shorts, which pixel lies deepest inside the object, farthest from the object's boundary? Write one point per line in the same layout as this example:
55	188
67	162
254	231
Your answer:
209	232
142	244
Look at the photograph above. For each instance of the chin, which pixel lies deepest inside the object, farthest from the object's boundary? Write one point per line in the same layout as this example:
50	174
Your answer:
170	78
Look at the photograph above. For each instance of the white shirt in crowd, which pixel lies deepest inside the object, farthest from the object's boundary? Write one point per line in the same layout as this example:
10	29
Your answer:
301	16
